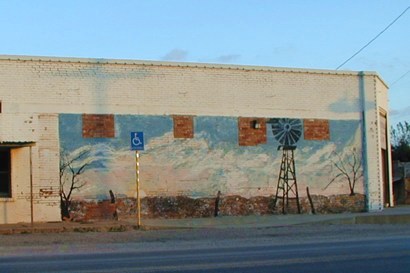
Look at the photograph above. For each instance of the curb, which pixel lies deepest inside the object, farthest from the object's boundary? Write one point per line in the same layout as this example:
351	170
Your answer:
62	227
383	219
371	220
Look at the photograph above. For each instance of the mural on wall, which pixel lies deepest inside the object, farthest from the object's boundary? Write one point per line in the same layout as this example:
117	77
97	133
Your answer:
209	161
287	132
72	166
348	165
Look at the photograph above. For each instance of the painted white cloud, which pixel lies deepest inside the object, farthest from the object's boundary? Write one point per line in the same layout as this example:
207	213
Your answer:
190	166
318	169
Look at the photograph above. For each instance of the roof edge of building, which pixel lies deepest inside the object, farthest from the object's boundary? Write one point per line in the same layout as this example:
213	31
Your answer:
187	64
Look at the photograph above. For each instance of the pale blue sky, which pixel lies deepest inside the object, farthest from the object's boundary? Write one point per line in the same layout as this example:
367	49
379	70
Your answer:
318	34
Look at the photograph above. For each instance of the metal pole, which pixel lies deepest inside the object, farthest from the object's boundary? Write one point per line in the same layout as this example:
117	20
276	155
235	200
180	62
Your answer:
137	156
31	189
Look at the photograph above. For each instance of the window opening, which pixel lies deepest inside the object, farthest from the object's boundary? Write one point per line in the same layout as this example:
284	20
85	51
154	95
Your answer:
5	172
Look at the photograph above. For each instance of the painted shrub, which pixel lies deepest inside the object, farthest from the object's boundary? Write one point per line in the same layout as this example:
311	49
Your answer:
211	161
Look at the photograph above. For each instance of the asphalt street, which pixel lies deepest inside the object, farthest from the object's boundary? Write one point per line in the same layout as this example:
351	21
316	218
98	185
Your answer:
384	255
346	254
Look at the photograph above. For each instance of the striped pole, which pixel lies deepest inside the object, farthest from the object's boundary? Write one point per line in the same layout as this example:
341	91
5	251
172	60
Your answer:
137	168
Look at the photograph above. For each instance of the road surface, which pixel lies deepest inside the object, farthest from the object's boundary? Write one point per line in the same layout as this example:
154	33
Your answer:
196	253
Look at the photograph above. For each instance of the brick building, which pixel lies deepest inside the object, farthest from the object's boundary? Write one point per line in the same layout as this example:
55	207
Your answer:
207	129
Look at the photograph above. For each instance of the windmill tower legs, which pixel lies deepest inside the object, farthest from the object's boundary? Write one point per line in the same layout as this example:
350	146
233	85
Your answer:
287	187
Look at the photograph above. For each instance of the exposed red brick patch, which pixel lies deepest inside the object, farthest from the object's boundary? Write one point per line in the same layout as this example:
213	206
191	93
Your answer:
183	126
98	126
248	134
316	129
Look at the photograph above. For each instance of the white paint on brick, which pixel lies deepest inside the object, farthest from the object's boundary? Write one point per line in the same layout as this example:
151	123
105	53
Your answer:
84	87
34	90
18	127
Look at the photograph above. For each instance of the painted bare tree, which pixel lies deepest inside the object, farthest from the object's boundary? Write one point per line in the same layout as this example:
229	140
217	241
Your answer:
71	167
348	166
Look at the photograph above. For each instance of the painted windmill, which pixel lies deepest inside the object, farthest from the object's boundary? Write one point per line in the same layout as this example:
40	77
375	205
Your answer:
287	132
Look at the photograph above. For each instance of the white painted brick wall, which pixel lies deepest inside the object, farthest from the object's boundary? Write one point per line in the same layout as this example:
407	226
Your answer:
18	127
372	147
47	184
72	87
37	89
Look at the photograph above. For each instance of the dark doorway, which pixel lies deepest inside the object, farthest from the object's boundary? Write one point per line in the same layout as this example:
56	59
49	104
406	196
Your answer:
5	172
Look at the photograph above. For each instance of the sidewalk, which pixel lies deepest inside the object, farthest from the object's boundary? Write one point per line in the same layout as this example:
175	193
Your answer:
397	215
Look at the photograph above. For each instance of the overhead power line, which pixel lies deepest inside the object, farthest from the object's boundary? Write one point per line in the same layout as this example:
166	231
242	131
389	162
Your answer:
372	40
401	77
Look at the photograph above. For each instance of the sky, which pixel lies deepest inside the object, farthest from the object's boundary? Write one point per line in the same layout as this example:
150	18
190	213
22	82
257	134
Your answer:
318	34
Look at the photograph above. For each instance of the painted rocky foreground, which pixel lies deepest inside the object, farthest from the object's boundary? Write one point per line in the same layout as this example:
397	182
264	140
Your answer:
186	207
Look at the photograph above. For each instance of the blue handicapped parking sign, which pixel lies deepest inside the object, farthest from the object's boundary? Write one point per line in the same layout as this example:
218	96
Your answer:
137	141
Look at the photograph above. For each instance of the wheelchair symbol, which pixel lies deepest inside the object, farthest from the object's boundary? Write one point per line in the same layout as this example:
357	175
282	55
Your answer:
136	141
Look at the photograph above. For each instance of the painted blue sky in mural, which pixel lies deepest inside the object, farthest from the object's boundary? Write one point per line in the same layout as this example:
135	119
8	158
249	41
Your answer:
198	167
217	130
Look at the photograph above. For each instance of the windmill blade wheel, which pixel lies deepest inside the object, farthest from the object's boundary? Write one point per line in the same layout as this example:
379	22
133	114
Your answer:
286	131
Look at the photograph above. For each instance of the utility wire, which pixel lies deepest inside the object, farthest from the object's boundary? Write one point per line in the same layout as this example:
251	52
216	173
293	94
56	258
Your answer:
372	40
401	77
